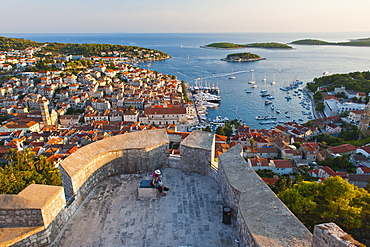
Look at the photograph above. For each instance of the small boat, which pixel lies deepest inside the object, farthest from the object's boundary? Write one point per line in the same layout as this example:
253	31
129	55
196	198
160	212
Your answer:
267	102
232	77
272	107
278	111
273	81
270	97
248	91
287	116
253	81
254	86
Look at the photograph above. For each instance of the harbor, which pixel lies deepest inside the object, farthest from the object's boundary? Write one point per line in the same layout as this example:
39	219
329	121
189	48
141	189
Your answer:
208	98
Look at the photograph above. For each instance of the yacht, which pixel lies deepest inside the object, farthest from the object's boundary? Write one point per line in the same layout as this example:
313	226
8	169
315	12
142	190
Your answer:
254	86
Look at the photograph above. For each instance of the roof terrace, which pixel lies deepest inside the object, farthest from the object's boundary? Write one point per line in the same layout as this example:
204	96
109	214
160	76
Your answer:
112	214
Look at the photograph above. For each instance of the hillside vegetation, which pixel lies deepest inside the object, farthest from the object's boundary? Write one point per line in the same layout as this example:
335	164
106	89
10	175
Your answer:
16	44
270	45
359	81
76	49
357	42
244	55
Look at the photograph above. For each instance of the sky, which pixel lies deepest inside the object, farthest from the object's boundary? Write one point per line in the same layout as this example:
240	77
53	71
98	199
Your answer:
184	16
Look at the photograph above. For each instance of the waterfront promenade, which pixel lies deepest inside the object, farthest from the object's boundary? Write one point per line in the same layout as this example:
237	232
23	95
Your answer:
112	215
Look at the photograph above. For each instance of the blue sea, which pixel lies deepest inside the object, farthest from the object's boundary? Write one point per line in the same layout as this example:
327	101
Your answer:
191	63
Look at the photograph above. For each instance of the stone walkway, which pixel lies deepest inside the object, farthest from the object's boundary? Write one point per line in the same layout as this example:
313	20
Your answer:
112	215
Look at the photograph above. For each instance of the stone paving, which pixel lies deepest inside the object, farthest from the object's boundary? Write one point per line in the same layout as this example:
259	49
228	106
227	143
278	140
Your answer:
112	215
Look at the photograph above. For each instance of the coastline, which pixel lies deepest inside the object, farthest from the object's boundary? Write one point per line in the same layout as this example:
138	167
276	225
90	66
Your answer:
243	60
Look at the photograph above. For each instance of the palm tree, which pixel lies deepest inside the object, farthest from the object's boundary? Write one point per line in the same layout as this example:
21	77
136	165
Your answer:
28	157
12	156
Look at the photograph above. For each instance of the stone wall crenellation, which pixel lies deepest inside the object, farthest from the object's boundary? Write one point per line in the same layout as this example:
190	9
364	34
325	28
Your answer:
35	216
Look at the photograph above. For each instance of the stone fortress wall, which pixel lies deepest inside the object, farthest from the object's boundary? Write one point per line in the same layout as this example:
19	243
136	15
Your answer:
35	216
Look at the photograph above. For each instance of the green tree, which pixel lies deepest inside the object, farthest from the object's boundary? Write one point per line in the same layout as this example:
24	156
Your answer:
220	131
334	200
317	96
26	168
320	106
252	141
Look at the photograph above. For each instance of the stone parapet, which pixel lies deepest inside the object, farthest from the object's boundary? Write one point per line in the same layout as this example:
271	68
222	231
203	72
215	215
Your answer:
331	235
128	153
262	219
197	152
31	207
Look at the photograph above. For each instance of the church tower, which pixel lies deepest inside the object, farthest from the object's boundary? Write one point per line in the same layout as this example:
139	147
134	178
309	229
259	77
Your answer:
45	112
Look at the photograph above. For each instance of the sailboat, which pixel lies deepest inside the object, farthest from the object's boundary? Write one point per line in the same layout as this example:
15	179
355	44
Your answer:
264	78
253	81
273	81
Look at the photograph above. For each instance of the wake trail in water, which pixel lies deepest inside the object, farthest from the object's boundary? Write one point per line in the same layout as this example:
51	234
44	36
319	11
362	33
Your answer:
226	74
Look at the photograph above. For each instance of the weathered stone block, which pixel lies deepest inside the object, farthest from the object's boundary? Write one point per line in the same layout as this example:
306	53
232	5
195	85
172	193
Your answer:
148	192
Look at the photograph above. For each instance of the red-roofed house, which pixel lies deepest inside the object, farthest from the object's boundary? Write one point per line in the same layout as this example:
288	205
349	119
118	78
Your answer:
333	128
355	116
364	150
281	166
326	172
343	149
258	163
363	170
271	181
309	151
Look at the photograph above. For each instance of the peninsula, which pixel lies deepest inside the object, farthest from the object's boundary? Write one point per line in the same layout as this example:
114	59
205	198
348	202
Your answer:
242	57
354	42
226	45
127	53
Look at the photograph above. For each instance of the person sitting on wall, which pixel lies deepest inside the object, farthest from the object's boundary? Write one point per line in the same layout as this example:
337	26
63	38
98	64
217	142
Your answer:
157	182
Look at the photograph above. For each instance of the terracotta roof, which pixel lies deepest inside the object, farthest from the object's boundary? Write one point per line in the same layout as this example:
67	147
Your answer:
283	163
342	148
366	149
270	180
329	171
171	110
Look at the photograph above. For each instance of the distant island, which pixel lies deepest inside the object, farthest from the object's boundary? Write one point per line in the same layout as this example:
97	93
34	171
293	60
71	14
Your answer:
242	57
226	45
131	52
354	42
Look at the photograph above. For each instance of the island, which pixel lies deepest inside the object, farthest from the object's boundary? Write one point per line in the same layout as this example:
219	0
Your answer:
242	57
128	53
226	45
353	42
